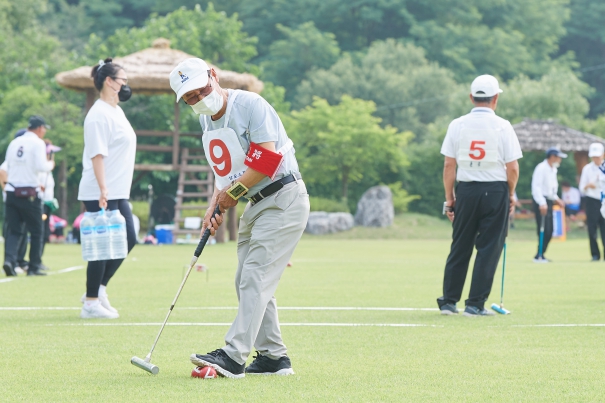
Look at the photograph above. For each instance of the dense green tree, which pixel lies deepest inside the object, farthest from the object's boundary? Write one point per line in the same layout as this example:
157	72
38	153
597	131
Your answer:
344	144
208	33
560	94
503	38
586	38
409	90
356	24
302	49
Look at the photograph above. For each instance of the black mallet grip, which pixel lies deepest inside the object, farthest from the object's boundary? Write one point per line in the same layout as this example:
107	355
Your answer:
206	235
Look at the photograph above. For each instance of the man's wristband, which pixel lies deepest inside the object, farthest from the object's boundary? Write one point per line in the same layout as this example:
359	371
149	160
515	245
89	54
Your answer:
237	190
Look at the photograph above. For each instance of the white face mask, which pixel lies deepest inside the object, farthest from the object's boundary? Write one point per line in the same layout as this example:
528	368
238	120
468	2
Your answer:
556	164
210	105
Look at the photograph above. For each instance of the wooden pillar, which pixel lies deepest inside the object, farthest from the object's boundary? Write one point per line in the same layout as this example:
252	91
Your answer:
176	138
232	224
220	234
581	158
63	190
91	96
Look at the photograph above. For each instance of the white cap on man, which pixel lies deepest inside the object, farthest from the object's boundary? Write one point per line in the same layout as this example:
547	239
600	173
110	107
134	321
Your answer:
596	150
190	74
485	86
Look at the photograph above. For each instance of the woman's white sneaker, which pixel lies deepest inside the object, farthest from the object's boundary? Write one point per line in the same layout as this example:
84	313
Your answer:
94	310
104	301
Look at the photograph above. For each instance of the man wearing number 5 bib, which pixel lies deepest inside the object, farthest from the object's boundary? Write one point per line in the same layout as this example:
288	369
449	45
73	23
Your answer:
486	149
250	153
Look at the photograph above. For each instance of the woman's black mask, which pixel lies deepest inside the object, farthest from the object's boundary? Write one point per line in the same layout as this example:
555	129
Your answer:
125	93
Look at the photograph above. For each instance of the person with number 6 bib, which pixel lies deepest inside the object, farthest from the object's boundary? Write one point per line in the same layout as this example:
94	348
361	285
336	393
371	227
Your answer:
485	148
250	153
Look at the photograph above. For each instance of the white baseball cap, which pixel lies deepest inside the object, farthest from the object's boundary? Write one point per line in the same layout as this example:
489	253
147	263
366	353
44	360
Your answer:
485	86
189	75
596	150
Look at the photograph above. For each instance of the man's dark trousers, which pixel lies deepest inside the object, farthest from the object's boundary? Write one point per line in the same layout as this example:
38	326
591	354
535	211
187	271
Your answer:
481	217
595	220
21	262
19	211
548	226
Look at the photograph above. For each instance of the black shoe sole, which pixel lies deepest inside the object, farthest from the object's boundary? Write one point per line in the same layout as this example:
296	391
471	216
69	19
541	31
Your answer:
35	273
10	272
219	370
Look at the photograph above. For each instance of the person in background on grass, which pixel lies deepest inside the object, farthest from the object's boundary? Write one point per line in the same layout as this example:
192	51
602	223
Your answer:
47	185
544	188
572	198
591	189
485	148
26	158
22	264
108	165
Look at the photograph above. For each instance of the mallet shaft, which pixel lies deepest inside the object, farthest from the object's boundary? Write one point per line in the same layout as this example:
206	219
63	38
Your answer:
196	255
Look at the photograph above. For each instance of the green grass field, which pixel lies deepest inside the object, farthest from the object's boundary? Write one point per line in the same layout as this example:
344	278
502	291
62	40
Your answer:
50	355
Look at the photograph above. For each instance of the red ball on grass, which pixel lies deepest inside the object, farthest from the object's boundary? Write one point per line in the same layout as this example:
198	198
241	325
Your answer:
203	372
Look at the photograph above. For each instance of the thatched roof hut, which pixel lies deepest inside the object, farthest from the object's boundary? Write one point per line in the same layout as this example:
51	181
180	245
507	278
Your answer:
148	72
540	135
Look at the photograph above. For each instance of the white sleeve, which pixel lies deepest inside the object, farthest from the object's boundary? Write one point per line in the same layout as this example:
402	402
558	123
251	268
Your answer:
583	180
448	148
4	166
512	148
602	180
96	139
264	122
536	186
42	163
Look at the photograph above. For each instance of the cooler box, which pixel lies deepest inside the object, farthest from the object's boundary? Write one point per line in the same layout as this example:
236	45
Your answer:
558	216
163	233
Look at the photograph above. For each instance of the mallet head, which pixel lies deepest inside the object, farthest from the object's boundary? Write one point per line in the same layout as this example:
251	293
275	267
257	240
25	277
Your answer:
147	366
500	309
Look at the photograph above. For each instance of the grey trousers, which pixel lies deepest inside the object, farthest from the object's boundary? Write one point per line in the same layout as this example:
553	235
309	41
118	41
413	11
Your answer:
268	234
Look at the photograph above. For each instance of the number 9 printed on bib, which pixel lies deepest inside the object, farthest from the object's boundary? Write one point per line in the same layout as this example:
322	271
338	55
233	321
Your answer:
478	150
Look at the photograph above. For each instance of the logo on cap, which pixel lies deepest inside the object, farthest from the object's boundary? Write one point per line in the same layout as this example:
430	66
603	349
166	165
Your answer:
183	77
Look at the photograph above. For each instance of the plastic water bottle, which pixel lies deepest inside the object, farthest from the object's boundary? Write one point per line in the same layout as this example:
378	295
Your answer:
87	229
101	236
117	235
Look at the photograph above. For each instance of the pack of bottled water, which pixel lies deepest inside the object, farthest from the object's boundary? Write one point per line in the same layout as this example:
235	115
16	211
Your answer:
103	236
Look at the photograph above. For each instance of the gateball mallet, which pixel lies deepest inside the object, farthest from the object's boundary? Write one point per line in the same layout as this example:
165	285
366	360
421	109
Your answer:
541	244
145	363
500	308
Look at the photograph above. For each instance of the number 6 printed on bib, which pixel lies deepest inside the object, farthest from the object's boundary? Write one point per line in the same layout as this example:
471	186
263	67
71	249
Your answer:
478	150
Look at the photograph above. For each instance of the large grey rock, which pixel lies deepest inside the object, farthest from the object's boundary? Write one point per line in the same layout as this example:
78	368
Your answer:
320	222
340	221
375	208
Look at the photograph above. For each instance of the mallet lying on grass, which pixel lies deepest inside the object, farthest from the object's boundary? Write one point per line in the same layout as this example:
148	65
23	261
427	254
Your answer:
145	363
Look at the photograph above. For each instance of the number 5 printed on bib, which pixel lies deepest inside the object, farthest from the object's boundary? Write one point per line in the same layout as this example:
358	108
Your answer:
478	150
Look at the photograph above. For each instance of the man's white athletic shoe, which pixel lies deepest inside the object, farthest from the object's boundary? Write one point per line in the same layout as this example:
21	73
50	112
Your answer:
104	301
541	260
97	311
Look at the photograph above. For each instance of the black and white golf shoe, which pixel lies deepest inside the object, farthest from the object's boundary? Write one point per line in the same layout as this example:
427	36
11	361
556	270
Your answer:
474	311
448	309
221	362
263	365
8	269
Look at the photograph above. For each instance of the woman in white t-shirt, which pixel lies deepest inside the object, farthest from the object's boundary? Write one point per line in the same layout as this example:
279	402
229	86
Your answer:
108	165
